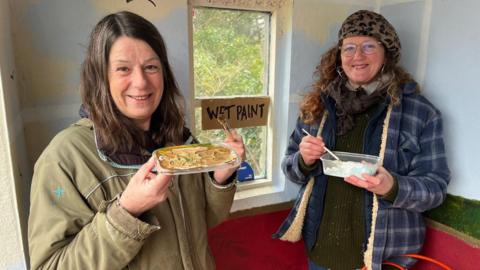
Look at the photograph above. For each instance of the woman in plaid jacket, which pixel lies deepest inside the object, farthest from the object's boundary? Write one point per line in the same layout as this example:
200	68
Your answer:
365	103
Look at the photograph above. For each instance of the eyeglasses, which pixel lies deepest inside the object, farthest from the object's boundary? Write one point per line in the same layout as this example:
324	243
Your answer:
367	47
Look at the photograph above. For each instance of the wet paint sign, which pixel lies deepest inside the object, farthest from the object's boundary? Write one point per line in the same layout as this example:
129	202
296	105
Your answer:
238	111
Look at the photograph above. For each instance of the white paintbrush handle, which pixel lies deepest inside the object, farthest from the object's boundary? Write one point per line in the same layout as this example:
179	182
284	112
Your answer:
328	150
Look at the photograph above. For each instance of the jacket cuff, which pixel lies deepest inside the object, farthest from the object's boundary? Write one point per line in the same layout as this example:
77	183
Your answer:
306	169
391	195
231	181
127	224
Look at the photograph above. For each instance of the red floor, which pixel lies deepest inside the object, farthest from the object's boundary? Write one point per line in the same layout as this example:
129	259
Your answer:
245	244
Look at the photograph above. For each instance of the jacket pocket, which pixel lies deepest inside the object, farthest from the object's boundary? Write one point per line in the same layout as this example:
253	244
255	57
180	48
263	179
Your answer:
406	234
409	142
409	147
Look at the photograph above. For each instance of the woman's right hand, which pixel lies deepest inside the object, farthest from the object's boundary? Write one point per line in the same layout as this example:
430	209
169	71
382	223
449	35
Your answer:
145	189
311	148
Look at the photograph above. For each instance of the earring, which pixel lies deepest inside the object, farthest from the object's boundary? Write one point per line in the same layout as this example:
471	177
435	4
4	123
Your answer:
340	72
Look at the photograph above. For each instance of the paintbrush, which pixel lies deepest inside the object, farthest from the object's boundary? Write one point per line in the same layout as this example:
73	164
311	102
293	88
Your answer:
228	130
226	126
328	150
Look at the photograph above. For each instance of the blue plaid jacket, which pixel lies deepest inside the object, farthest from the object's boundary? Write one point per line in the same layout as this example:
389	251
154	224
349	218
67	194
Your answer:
414	155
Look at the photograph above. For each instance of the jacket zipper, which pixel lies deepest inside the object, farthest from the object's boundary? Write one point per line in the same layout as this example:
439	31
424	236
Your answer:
186	226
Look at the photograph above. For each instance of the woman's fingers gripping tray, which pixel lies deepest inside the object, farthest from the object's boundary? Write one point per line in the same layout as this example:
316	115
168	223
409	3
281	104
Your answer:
235	141
380	183
145	189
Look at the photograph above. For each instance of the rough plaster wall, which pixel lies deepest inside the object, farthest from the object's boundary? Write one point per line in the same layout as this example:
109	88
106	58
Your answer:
11	257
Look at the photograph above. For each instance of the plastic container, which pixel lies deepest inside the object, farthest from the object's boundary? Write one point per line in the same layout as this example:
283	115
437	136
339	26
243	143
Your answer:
195	158
349	164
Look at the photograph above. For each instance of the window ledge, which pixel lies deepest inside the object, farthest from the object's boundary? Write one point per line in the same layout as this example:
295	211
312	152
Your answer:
258	193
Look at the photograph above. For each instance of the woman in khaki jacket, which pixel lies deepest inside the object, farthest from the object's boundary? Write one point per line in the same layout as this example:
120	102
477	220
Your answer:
95	202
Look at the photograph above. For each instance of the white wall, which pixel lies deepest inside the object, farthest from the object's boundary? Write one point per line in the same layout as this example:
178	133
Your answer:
440	40
452	82
12	252
413	32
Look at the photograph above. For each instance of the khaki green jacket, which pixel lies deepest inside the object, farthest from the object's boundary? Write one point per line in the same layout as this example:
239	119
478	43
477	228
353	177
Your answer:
76	222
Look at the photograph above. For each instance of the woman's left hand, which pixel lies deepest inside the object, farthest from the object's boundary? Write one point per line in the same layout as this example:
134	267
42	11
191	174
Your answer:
235	141
380	184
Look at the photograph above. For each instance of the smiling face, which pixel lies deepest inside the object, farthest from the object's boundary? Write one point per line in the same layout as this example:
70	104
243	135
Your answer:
135	79
362	68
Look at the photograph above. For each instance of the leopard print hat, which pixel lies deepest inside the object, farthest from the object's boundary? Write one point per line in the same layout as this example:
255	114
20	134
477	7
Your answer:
369	23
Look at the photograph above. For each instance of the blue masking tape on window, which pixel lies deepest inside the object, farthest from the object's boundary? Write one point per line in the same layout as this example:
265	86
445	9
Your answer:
245	172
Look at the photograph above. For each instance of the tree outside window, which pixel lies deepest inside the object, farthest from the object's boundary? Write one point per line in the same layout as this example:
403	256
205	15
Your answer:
230	55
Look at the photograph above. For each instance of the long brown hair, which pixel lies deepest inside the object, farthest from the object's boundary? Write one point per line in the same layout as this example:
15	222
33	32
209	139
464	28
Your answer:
117	131
330	74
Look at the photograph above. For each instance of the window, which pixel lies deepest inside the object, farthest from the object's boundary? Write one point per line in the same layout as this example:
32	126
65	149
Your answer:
231	59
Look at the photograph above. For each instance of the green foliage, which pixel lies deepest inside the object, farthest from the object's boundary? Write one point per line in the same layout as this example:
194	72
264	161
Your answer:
459	213
228	52
229	60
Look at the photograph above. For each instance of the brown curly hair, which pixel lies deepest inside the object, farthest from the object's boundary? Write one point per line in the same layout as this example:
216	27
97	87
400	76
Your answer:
329	73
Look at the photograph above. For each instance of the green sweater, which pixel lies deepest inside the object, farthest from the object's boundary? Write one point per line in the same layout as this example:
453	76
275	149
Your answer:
341	234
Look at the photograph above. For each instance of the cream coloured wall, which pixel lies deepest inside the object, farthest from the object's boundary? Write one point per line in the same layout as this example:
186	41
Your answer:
12	255
451	81
440	49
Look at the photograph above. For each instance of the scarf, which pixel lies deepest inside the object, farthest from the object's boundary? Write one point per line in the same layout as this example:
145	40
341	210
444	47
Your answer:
350	102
